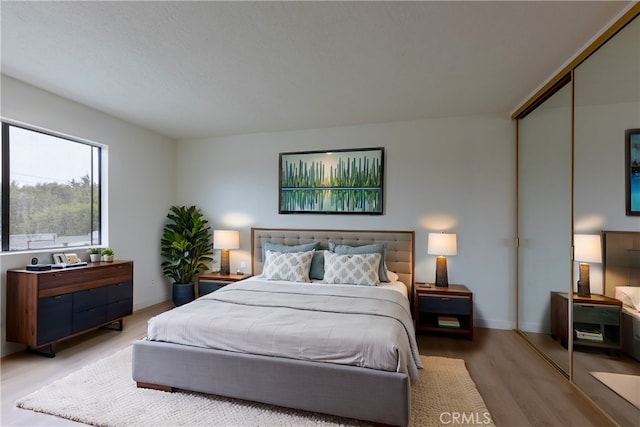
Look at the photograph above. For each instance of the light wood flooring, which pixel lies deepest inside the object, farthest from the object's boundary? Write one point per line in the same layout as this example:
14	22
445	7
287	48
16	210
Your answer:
586	360
518	386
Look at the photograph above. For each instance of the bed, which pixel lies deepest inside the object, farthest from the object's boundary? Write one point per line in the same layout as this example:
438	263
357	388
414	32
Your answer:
321	374
622	281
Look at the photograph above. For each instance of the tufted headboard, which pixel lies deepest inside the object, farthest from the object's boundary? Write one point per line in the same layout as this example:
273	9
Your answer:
621	260
399	256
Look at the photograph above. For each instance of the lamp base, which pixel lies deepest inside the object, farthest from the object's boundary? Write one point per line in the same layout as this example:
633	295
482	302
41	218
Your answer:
224	261
584	289
442	279
584	286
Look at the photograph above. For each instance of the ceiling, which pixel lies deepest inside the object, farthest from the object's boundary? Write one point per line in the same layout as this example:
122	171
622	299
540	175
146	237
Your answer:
199	69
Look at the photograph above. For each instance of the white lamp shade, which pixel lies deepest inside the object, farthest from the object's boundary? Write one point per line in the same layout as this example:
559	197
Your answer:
587	248
442	244
226	239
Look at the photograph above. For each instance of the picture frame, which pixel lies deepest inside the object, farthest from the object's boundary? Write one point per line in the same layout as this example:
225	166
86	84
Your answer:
632	171
72	258
59	258
343	181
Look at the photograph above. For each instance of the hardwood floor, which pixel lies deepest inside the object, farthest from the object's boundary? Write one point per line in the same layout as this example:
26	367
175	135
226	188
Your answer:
518	386
586	360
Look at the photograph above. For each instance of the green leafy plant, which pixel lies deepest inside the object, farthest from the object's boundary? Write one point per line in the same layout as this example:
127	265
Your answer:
186	244
107	251
94	251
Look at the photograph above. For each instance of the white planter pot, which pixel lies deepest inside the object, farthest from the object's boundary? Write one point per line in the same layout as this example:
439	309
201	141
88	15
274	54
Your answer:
95	257
107	258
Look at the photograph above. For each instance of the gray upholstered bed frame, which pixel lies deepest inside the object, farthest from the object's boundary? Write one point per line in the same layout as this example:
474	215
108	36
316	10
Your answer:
366	394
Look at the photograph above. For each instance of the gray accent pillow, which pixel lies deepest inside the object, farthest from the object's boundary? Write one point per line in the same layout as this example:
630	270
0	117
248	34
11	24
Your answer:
317	265
278	247
374	248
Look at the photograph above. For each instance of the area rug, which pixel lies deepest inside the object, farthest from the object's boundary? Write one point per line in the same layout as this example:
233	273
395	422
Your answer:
626	386
103	394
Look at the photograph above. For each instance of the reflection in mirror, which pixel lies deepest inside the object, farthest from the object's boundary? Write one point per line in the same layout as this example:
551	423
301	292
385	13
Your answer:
607	102
544	220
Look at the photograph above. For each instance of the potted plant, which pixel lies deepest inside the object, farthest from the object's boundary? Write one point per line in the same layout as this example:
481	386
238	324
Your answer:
186	246
107	255
94	254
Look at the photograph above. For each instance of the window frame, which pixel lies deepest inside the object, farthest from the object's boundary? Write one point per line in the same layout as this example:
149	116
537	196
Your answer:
6	183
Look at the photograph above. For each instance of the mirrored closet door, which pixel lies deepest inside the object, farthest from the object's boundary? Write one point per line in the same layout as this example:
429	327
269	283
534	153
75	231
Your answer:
544	220
607	102
571	183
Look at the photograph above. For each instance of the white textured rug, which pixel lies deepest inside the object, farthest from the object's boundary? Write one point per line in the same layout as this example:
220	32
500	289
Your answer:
103	394
626	386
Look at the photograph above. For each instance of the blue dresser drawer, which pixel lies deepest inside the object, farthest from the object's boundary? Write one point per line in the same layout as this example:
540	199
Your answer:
90	298
89	318
119	309
54	317
445	304
120	291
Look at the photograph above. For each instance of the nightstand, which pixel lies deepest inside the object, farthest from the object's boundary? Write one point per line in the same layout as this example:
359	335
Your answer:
445	310
597	317
211	282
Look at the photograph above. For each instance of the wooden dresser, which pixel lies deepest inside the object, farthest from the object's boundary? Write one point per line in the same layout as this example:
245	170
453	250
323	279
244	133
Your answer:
44	307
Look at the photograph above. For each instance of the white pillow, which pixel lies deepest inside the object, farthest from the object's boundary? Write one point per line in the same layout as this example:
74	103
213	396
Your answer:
352	269
289	266
629	295
393	277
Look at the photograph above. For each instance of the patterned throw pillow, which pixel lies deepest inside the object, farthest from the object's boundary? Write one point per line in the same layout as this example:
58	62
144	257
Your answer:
380	248
353	269
290	266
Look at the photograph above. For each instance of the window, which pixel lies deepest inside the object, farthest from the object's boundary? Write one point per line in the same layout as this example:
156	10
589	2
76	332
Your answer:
50	190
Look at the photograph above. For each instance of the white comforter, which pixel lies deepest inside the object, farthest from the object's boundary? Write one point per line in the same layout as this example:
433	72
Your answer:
352	325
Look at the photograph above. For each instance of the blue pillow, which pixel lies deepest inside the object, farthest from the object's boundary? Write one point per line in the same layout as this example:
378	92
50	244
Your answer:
317	266
277	247
374	248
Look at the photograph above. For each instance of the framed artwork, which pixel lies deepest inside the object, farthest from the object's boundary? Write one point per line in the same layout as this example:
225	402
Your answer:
72	258
632	166
59	259
332	182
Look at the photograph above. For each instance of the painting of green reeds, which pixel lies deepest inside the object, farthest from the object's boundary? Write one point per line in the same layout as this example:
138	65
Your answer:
332	182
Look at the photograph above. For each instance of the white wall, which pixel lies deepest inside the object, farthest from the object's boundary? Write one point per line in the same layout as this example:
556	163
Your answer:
599	190
141	184
453	174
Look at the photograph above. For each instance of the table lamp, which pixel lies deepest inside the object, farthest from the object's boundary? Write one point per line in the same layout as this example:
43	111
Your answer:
586	248
441	245
225	240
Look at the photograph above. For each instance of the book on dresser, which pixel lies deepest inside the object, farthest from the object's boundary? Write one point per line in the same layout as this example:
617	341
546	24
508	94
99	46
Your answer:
448	322
589	334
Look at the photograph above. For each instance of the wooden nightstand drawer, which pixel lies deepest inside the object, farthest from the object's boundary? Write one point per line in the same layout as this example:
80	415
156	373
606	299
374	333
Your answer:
211	282
591	313
208	286
444	304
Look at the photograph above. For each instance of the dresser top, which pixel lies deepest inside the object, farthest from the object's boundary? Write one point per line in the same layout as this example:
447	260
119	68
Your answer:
81	267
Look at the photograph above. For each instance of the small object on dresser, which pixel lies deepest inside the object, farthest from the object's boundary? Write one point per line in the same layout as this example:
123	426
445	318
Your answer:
448	322
38	267
589	334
